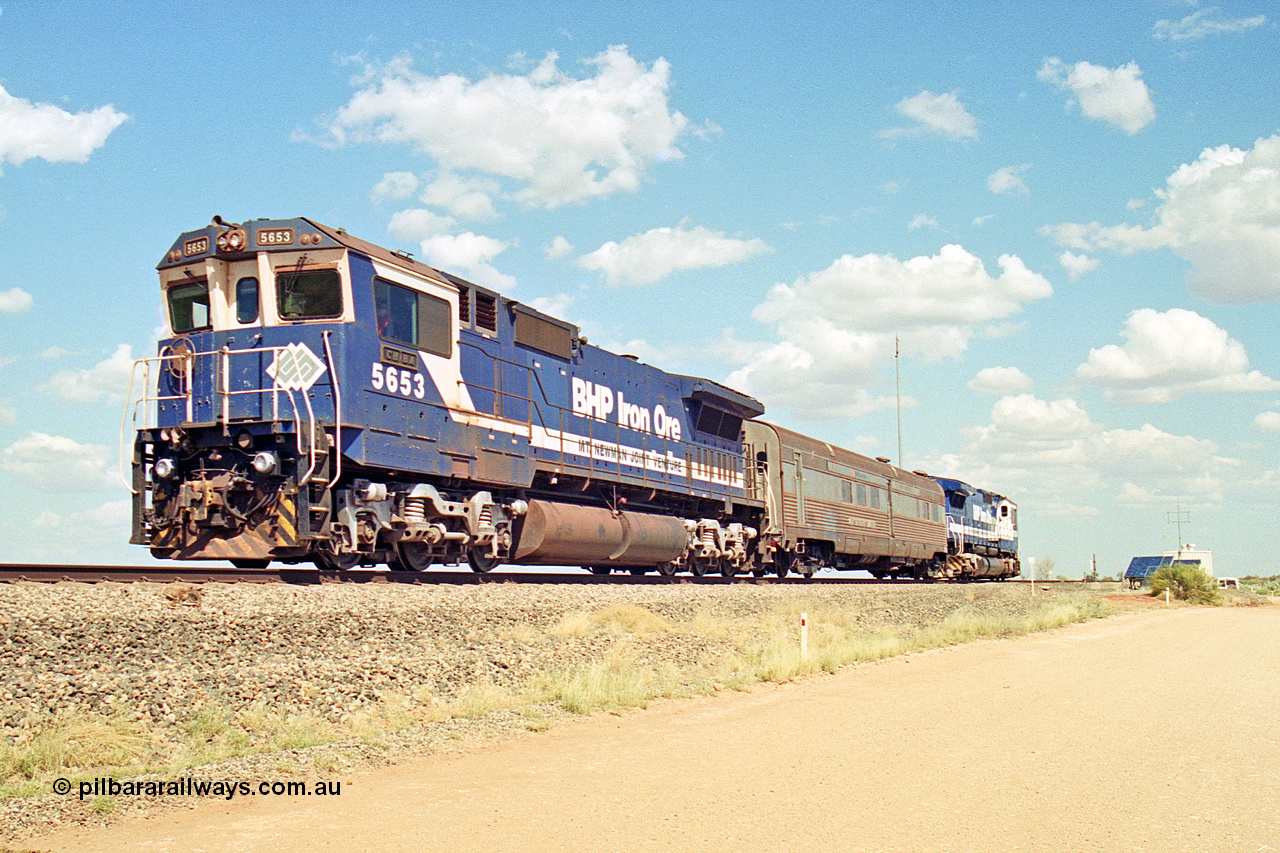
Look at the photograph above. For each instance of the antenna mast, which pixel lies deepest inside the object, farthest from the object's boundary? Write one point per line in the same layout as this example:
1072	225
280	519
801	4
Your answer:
897	380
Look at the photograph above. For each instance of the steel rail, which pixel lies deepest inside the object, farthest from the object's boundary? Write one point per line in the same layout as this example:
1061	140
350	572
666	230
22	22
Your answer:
49	573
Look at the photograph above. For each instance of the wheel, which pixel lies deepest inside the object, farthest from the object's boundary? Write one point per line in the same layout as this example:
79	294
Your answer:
413	556
667	569
481	561
250	564
782	564
727	569
331	562
638	571
759	572
601	570
698	568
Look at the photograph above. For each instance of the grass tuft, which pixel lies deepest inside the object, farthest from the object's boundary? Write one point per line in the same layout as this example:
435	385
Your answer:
75	742
616	620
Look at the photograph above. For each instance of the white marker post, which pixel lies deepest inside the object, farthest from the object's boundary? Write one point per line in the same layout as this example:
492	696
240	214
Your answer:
804	636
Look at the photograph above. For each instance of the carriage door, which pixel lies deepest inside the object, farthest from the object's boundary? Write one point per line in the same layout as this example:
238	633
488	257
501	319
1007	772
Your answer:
799	462
242	372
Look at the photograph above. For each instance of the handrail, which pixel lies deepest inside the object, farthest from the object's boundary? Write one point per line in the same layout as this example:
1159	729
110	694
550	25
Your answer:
220	394
337	409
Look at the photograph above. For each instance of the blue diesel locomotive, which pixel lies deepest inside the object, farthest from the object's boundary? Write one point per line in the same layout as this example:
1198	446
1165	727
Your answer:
325	399
982	532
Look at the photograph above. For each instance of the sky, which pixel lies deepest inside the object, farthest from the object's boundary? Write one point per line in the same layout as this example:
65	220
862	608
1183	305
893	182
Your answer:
1063	218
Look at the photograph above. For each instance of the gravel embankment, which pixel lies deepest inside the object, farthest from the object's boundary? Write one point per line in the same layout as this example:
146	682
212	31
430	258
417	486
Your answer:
160	661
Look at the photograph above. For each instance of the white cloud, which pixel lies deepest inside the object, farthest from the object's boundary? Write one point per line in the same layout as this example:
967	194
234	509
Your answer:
52	464
836	327
881	293
1077	265
1267	422
557	139
30	130
922	220
1219	213
1041	450
1117	96
416	224
108	378
1168	355
655	254
396	185
466	198
1203	23
1001	380
943	115
817	371
15	300
99	530
468	255
1008	180
556	305
558	248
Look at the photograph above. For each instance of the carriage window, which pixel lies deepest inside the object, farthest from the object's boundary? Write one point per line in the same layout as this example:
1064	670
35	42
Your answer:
246	300
189	306
309	294
411	318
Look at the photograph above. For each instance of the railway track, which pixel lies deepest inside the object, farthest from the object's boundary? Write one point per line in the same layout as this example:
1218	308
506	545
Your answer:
37	573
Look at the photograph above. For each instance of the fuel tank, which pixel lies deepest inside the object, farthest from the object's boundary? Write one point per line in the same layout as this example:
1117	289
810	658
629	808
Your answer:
566	534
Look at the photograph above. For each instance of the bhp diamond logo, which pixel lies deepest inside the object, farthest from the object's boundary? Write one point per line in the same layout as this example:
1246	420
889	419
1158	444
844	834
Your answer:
296	368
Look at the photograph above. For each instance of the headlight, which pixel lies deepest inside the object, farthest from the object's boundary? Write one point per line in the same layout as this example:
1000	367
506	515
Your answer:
232	241
266	462
165	468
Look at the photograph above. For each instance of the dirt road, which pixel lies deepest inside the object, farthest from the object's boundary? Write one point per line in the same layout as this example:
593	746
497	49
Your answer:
1156	731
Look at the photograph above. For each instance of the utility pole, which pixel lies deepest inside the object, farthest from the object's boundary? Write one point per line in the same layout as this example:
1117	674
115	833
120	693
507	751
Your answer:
1177	517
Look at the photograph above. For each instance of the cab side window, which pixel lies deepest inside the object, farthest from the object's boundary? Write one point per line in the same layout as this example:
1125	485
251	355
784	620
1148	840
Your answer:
189	306
414	319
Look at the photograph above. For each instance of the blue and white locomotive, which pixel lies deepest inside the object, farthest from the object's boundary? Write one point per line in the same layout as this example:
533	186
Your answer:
322	398
325	399
982	532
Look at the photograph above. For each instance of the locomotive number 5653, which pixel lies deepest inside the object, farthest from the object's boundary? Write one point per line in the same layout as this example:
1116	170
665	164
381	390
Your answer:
397	381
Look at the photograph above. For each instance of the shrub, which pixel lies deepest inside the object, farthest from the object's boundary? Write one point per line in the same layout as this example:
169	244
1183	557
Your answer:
1186	582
